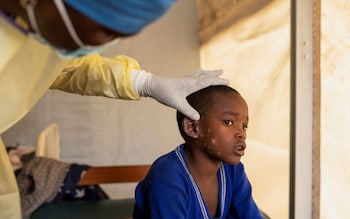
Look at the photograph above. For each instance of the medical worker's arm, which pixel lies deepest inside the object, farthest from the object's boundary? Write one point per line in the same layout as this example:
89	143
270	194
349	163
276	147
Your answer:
121	77
98	76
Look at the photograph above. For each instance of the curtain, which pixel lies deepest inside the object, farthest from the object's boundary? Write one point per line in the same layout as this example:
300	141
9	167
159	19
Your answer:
215	16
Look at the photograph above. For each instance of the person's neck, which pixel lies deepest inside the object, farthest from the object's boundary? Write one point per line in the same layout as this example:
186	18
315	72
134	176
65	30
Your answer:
9	6
200	164
205	173
14	20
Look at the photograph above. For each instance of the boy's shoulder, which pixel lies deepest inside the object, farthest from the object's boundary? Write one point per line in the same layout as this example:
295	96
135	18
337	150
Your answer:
165	161
167	167
168	160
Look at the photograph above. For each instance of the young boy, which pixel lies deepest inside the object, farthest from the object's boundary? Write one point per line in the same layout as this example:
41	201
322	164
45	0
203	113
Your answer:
202	178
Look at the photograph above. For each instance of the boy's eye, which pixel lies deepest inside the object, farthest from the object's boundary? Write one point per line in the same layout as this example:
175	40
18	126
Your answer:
228	122
245	127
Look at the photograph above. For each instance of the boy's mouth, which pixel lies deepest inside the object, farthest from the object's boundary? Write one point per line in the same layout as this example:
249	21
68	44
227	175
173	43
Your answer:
239	149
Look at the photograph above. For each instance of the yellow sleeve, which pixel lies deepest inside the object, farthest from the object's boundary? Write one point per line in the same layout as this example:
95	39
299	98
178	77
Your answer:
99	76
9	194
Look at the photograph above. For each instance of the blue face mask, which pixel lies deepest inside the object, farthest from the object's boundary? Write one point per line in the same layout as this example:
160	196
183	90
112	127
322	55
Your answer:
82	50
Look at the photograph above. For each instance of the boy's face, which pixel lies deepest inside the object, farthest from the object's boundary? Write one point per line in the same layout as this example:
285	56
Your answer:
223	128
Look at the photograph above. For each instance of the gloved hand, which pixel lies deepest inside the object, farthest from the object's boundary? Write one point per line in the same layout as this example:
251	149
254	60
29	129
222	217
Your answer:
173	91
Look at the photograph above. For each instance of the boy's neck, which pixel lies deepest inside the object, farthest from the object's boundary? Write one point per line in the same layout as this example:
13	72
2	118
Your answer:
200	164
204	170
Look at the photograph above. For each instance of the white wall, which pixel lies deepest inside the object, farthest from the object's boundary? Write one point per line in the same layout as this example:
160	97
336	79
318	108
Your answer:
100	131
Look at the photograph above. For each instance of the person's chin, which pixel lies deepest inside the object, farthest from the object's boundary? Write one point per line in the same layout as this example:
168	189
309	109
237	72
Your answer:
234	161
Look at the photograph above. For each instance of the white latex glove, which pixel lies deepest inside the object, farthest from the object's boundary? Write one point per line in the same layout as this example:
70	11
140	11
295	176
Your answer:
173	91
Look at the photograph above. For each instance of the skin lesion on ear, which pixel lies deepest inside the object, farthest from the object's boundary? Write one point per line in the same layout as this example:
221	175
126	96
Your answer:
190	127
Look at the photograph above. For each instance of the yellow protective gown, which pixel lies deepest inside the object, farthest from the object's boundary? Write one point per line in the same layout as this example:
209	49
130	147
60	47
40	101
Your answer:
27	70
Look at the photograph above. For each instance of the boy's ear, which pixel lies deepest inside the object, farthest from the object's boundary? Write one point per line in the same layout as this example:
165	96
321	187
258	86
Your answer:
190	127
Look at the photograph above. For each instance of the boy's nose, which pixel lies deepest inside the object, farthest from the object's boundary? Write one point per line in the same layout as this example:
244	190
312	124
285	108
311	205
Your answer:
241	134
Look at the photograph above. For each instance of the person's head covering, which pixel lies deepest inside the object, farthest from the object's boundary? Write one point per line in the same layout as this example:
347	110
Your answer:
125	16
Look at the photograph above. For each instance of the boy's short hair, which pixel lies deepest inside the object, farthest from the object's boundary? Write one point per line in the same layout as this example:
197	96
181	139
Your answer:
201	100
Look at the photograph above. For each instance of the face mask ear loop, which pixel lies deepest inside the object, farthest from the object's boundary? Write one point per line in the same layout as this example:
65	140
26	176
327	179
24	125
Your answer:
64	15
29	5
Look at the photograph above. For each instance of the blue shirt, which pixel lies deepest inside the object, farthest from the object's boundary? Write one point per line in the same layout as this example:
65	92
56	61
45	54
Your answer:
170	192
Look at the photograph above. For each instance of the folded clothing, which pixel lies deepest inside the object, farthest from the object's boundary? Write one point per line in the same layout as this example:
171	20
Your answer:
42	180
